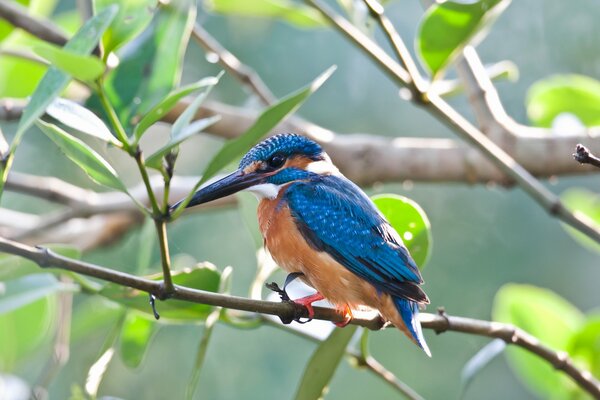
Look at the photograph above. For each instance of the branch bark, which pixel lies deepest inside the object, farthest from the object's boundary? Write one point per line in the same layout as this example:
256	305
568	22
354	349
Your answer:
17	15
290	311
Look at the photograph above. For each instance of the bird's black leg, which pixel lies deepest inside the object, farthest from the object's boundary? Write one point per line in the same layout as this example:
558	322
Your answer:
283	294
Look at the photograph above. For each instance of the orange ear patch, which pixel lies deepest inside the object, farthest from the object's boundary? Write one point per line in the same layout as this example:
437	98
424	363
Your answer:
297	162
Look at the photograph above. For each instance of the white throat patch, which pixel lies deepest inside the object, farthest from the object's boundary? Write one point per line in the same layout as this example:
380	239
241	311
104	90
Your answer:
265	190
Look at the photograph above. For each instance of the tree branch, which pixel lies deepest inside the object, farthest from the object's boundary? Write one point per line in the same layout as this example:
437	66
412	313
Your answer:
290	311
17	16
449	116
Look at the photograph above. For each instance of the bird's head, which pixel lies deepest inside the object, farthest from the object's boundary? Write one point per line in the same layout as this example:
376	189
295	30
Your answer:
268	166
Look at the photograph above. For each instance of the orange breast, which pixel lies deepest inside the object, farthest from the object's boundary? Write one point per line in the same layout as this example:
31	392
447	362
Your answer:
291	252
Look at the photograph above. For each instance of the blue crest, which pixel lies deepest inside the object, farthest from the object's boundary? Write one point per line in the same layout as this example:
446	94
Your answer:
287	144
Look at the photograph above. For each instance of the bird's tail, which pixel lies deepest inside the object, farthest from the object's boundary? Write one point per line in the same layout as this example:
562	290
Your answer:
409	311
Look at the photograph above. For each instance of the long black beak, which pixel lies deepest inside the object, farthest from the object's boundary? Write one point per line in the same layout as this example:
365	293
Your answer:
230	184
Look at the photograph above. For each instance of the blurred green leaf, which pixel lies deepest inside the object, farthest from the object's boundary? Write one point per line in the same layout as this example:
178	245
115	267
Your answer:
136	334
585	204
77	117
24	330
575	94
411	223
323	364
548	317
91	314
211	320
446	28
155	160
150	65
167	104
54	81
12	267
132	18
83	67
147	241
84	156
480	360
293	13
267	120
203	277
584	346
16	293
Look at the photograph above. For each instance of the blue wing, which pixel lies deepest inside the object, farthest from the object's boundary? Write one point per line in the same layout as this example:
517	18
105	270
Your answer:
335	216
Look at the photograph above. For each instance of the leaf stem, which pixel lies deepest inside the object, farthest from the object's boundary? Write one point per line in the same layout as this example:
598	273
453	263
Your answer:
165	258
113	117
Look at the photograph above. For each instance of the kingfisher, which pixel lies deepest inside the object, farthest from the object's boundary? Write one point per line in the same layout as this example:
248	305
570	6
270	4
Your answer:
321	227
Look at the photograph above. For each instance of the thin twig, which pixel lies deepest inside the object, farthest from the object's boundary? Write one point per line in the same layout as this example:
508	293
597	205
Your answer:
584	156
25	55
449	116
233	65
18	16
290	311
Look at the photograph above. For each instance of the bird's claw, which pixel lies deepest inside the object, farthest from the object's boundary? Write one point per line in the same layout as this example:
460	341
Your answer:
347	313
281	292
153	305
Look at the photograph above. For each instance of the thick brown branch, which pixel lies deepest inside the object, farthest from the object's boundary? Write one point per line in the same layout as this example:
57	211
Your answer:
17	15
287	311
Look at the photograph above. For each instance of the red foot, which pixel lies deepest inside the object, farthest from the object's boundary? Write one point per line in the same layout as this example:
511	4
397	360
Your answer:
347	312
307	303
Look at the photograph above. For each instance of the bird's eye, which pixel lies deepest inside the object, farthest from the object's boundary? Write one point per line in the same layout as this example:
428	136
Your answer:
276	161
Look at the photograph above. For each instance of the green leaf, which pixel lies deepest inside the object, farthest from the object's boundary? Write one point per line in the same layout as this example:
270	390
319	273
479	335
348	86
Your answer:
446	28
586	205
411	223
12	267
167	104
203	277
86	68
584	346
136	334
323	363
93	314
548	317
54	81
293	13
267	120
85	157
146	244
575	94
150	66
20	292
25	329
132	18
81	119
480	360
155	160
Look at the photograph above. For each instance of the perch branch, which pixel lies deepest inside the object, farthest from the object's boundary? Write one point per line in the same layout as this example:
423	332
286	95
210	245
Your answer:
289	310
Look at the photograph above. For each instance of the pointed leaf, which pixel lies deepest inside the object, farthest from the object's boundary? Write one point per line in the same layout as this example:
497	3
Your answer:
548	317
448	27
19	292
323	364
203	277
81	154
86	68
267	120
289	11
584	346
150	65
263	125
480	361
167	104
132	18
575	94
155	160
54	81
136	334
411	223
77	117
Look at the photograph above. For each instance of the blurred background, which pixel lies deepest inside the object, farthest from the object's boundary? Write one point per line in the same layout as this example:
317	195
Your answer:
484	236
